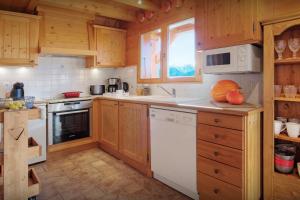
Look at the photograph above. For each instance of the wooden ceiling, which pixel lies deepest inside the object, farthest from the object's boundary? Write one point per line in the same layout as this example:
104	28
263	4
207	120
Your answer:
118	9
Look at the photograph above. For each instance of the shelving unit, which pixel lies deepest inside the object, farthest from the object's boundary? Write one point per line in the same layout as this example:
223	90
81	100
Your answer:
280	72
285	137
287	61
19	182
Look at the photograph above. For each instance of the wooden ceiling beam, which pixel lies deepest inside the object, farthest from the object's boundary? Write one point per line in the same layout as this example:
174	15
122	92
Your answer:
145	4
99	7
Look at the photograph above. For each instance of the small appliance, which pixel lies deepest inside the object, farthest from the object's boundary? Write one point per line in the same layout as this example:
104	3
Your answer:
236	59
17	93
114	84
125	87
97	89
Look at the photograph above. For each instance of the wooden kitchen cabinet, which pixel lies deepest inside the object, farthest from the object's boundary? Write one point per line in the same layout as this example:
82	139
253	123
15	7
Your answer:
110	47
222	23
109	125
229	155
18	38
133	134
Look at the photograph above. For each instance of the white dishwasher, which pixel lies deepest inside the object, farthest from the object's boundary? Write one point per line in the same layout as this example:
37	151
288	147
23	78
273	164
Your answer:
173	148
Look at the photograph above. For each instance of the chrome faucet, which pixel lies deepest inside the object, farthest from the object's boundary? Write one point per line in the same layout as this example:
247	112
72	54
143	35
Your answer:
172	94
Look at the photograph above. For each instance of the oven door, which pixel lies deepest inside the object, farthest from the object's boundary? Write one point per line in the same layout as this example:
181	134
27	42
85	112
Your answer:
70	125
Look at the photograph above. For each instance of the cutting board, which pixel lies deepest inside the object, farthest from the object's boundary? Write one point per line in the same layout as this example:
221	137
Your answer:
227	105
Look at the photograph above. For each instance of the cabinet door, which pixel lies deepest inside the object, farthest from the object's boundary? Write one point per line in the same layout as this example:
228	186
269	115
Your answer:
133	131
18	40
110	45
230	23
109	124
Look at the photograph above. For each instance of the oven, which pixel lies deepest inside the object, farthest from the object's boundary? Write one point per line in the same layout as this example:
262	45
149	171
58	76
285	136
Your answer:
69	121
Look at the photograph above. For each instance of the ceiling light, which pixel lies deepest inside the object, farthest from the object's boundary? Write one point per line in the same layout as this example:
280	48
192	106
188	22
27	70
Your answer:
140	2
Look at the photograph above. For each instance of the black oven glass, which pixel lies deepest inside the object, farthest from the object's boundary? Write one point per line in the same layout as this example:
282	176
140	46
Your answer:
70	126
218	59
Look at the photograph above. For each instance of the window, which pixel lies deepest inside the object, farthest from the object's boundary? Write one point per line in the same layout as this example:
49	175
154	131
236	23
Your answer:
150	55
168	54
181	49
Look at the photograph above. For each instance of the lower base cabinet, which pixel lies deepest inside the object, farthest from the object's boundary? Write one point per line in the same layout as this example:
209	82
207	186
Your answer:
123	132
229	156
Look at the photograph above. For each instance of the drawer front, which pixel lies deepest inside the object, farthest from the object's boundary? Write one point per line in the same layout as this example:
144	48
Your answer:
220	171
211	188
223	136
221	120
225	155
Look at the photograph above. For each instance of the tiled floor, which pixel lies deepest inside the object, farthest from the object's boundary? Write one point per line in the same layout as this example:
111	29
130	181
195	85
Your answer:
93	174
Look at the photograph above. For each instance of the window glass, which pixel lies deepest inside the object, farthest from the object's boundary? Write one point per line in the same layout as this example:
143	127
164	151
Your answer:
181	49
150	67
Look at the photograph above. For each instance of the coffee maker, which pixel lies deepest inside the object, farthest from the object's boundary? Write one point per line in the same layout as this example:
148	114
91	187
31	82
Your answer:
17	93
114	84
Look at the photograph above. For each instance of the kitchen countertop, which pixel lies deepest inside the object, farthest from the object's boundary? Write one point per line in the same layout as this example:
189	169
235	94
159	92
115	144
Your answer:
180	102
183	102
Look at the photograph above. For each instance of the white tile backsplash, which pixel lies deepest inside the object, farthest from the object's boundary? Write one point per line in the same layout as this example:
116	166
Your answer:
251	85
55	75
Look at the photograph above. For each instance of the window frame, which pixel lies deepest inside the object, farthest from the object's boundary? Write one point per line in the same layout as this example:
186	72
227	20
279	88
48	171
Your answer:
164	57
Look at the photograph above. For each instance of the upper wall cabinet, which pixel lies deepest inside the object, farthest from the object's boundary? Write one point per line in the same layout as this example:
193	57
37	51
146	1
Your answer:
65	32
110	46
18	39
222	23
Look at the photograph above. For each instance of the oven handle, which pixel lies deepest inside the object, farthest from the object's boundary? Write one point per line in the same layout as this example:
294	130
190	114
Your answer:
72	112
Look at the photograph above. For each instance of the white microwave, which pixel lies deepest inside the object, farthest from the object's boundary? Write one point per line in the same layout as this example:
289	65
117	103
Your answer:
236	59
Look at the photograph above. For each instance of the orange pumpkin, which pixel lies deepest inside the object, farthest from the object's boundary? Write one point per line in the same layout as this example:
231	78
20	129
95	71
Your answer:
221	88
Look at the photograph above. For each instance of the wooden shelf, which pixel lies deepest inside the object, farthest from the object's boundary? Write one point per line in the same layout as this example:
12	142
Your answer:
33	183
297	99
34	149
287	61
287	138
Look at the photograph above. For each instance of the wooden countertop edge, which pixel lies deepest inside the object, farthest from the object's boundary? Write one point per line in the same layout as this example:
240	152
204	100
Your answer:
187	106
33	113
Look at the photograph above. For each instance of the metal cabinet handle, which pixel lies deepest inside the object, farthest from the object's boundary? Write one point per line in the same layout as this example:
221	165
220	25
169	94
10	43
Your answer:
216	171
216	136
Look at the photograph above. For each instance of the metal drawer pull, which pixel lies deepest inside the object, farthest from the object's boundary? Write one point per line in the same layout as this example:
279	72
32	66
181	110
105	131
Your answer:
216	136
170	119
216	153
216	171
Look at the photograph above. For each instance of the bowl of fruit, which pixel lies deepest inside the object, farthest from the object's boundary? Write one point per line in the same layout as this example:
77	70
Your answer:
16	105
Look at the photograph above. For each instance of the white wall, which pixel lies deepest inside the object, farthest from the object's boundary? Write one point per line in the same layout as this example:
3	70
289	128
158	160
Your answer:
53	76
251	85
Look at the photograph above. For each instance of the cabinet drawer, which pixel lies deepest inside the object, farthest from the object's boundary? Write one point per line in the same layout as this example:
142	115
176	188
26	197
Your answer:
226	155
223	136
221	120
211	188
220	171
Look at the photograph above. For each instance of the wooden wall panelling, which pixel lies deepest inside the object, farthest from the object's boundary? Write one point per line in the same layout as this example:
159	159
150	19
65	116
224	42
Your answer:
160	18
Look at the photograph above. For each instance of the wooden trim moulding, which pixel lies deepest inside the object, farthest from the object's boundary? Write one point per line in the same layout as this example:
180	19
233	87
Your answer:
67	52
